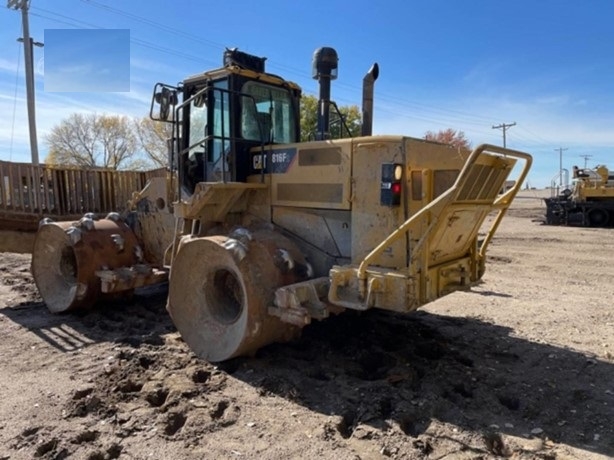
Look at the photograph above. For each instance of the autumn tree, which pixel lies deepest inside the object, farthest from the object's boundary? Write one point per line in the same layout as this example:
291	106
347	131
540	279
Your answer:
152	137
92	140
309	120
449	136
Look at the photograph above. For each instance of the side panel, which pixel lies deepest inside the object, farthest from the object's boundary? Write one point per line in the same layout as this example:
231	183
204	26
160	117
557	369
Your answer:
371	221
433	168
308	196
329	231
323	235
310	175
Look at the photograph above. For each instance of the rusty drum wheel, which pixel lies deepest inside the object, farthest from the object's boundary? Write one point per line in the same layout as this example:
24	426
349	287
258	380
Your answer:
66	256
220	289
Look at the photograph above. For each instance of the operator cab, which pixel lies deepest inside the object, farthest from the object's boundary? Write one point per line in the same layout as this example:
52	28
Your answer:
225	113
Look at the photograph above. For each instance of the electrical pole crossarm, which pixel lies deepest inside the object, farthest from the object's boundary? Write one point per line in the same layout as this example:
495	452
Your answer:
504	127
586	157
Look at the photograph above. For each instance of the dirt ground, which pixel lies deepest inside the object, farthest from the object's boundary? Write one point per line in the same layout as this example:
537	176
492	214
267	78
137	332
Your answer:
521	366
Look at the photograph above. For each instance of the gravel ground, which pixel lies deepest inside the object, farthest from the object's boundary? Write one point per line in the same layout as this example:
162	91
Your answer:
520	366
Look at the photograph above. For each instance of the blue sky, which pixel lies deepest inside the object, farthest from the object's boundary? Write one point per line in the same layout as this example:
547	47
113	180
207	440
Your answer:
468	65
87	60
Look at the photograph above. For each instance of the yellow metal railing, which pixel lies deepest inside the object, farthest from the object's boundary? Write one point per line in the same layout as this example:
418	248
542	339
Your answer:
477	184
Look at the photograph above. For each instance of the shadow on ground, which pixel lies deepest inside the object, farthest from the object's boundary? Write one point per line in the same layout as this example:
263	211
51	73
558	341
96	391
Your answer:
379	367
375	369
142	319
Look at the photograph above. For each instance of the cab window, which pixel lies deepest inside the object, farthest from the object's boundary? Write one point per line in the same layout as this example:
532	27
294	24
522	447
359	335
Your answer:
267	114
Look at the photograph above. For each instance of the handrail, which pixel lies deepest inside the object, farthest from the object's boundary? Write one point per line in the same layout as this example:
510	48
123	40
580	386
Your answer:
505	200
451	194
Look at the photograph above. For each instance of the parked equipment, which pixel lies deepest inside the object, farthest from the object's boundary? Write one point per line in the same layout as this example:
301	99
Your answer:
261	233
590	203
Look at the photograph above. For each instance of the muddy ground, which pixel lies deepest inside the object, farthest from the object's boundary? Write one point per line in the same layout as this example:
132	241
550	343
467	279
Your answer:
521	366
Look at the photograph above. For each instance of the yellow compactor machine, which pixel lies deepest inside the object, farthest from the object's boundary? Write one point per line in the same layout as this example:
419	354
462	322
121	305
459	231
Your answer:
589	203
260	233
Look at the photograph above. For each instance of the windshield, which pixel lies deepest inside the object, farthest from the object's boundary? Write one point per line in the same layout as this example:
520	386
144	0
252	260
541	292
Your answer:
267	114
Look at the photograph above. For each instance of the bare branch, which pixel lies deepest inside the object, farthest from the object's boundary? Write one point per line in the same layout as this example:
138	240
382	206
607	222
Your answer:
92	140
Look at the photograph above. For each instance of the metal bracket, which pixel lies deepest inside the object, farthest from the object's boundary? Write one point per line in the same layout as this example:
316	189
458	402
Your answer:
300	302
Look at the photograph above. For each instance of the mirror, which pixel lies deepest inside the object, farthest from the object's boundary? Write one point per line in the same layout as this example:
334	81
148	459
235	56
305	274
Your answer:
166	98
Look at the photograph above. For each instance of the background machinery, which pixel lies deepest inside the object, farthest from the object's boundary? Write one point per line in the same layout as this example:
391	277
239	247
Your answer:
590	203
260	233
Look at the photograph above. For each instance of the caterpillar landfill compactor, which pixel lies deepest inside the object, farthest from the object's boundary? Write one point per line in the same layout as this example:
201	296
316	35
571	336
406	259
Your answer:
260	233
590	202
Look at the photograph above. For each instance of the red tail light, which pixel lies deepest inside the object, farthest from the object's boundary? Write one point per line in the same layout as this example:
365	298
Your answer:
392	186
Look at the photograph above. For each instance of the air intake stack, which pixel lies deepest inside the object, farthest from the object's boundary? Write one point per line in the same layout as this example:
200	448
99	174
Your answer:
324	69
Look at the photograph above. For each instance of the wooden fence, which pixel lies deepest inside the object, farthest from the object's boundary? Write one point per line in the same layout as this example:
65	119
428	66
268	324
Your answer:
29	193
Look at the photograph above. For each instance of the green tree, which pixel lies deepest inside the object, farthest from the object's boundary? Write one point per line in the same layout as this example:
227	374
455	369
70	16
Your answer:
309	117
309	120
92	140
449	136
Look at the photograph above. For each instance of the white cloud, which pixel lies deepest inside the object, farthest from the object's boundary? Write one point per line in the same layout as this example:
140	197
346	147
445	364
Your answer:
75	69
553	100
8	66
39	68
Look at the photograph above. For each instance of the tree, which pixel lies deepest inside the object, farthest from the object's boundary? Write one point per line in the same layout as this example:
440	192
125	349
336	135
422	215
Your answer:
92	140
353	121
449	136
152	137
309	117
309	120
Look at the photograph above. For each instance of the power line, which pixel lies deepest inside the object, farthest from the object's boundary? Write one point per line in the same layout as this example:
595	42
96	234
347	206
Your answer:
431	114
504	126
535	137
478	120
79	24
157	25
428	113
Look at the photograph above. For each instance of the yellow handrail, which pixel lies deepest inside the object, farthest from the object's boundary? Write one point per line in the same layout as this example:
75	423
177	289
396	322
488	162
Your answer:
439	203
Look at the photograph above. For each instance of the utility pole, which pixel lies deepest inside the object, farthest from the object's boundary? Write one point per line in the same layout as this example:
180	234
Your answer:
586	157
560	150
28	45
504	127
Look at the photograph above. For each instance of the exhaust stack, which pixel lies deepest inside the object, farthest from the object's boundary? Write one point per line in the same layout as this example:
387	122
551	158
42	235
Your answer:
368	84
324	69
